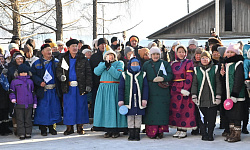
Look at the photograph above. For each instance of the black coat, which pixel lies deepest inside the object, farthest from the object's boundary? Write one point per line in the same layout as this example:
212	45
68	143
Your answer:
94	60
4	100
83	73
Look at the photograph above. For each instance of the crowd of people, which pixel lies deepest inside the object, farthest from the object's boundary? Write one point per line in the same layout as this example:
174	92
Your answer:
181	88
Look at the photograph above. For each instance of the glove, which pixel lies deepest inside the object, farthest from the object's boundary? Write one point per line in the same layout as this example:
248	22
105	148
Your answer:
107	64
63	78
144	103
120	103
185	92
88	88
35	106
247	82
234	99
158	79
4	71
194	99
217	99
13	101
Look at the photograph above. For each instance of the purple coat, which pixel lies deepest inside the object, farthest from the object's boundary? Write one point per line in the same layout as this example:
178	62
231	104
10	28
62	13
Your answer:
22	90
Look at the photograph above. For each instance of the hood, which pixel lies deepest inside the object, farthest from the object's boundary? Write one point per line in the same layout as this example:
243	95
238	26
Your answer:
246	51
129	65
234	59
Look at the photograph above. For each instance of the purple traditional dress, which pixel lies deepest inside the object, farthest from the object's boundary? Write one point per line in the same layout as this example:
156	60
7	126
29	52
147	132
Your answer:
182	108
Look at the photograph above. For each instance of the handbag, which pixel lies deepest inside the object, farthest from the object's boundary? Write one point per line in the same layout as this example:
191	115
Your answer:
163	84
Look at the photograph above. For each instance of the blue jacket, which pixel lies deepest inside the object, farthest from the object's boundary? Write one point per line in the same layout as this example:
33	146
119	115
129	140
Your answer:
246	48
38	71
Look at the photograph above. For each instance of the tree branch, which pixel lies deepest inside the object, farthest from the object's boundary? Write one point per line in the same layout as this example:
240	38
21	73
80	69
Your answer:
121	31
50	27
110	19
113	2
6	29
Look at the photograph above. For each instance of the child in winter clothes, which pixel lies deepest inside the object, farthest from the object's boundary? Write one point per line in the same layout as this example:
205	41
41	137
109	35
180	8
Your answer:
206	94
133	93
22	95
235	90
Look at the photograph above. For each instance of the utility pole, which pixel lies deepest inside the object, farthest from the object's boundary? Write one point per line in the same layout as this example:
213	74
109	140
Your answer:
94	19
217	17
188	6
103	20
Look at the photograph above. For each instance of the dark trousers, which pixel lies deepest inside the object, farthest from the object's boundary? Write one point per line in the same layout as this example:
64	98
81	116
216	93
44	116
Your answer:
197	116
24	119
246	110
209	120
4	114
94	92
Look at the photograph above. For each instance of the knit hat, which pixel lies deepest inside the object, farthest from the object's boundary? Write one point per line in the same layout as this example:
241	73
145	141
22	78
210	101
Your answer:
71	41
23	68
128	49
142	52
109	52
154	50
44	46
133	37
179	46
221	50
31	43
86	50
53	45
135	60
151	44
48	41
102	41
113	39
206	53
59	43
13	51
13	45
193	41
234	48
199	50
176	43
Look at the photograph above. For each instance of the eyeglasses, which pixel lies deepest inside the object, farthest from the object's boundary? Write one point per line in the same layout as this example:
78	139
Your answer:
204	58
59	45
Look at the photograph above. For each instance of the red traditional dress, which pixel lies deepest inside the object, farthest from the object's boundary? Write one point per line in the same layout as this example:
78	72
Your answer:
182	108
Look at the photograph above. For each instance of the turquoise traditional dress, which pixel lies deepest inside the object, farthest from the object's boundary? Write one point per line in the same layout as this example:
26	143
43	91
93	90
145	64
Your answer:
48	109
75	105
106	113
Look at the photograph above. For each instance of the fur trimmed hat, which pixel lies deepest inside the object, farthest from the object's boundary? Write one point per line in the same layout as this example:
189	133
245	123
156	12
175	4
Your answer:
179	46
109	52
128	49
193	41
154	50
143	51
176	43
206	53
71	41
151	44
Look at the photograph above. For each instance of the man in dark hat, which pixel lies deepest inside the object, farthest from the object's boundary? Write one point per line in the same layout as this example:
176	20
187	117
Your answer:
134	41
94	61
48	110
75	75
114	42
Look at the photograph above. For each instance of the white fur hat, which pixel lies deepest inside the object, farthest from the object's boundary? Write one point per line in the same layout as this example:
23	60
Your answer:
13	45
193	41
109	52
151	44
60	43
86	50
184	47
154	50
176	43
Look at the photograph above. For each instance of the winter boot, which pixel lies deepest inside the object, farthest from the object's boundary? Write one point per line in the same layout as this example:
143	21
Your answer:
210	134
80	129
176	135
236	137
107	135
1	128
244	127
6	129
52	130
131	134
195	132
69	130
43	129
204	133
183	134
137	134
231	134
115	134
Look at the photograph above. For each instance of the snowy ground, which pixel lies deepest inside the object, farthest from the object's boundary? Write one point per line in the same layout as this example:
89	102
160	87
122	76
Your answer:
95	140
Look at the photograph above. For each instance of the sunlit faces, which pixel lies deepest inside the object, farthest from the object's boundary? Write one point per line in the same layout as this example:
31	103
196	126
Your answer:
54	49
133	43
197	57
129	54
192	46
23	74
102	47
19	60
2	60
134	63
155	56
230	54
110	57
73	49
205	60
88	55
47	53
181	53
60	47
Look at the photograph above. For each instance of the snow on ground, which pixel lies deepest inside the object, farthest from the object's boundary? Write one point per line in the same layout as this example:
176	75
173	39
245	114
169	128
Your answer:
94	140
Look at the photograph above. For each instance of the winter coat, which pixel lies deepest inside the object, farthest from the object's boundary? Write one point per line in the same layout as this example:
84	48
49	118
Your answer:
246	61
172	55
31	60
95	59
4	100
206	85
38	71
191	53
157	110
83	73
22	89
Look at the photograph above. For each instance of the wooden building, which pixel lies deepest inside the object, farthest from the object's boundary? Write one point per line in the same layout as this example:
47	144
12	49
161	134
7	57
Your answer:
234	22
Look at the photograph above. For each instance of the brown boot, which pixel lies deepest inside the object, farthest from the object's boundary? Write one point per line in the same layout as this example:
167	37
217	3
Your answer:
236	137
69	130
80	129
231	134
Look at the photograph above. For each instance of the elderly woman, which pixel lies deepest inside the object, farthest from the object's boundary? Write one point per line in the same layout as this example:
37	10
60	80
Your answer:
106	112
157	111
181	114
